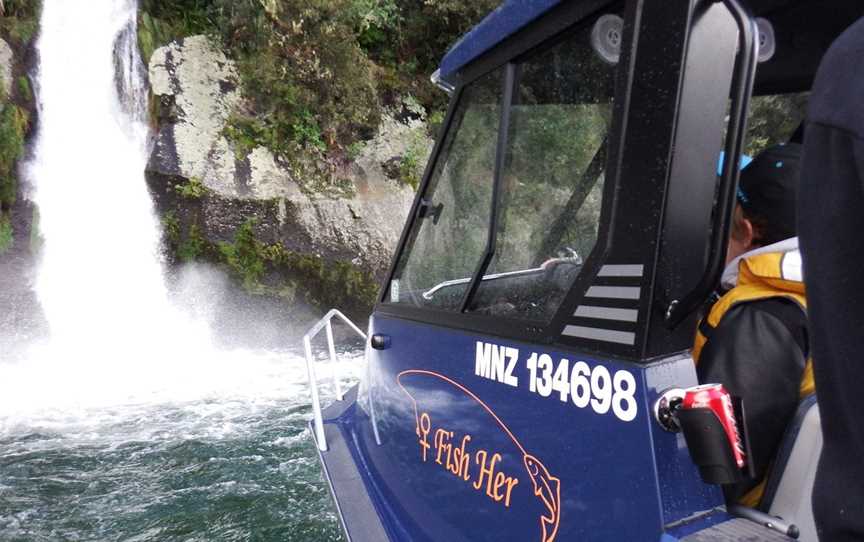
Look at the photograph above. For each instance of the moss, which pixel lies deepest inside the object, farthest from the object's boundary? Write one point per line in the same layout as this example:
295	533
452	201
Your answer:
318	74
194	246
355	149
21	21
246	133
7	237
245	257
24	90
272	270
333	284
161	21
193	188
413	160
171	228
433	124
14	122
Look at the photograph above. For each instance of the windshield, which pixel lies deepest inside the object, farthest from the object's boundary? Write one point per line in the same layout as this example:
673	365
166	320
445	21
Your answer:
549	193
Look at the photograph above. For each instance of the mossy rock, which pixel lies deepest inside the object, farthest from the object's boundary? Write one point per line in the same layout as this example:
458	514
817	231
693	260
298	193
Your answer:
14	123
7	237
273	271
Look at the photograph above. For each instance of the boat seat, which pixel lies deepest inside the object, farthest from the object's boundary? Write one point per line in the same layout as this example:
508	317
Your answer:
789	487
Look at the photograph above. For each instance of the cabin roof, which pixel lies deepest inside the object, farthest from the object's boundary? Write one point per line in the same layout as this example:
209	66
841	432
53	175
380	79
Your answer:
507	19
804	28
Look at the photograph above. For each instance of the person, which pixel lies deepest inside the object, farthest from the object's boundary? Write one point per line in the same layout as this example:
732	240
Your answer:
754	337
831	222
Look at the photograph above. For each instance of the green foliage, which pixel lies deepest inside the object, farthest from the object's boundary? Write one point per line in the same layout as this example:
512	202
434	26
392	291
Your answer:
410	166
21	21
7	238
193	188
317	73
773	119
245	256
355	149
24	90
272	270
246	133
189	247
161	22
434	122
374	20
194	246
305	130
326	284
413	41
171	228
13	129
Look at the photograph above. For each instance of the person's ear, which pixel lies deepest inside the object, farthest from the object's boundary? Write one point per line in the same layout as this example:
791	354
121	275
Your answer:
747	233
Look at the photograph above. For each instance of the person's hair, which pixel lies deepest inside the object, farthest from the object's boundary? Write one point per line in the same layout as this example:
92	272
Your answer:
762	231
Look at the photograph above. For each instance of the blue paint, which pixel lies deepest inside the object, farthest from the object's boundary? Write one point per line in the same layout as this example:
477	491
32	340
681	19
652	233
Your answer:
506	20
618	480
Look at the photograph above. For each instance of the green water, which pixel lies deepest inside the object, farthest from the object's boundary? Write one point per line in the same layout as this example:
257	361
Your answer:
232	465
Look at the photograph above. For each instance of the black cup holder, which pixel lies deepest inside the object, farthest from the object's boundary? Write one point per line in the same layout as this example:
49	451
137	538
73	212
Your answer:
709	446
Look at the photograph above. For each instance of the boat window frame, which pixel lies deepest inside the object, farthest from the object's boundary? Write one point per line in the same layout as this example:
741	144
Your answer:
554	27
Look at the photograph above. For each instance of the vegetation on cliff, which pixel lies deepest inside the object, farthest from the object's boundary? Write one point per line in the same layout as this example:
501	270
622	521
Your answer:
318	80
18	27
318	74
19	21
272	270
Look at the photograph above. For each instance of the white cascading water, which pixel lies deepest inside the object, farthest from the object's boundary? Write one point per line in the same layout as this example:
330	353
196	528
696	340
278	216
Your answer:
115	336
100	283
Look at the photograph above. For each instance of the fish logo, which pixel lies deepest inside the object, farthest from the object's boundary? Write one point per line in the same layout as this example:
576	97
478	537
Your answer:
546	488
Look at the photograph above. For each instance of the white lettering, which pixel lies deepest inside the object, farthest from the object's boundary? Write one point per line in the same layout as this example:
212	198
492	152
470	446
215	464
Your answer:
483	360
512	355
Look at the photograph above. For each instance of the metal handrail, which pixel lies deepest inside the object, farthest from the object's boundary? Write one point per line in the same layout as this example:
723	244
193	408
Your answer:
324	323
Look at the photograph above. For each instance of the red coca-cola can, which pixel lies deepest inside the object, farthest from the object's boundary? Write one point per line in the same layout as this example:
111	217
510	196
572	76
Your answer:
715	397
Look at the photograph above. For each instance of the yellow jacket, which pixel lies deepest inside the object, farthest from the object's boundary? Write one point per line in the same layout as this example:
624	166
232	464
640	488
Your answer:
773	271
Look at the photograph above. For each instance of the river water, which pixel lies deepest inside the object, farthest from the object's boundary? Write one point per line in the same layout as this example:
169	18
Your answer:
237	464
127	422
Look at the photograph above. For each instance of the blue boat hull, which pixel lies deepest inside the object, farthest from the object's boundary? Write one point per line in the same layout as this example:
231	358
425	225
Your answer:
468	453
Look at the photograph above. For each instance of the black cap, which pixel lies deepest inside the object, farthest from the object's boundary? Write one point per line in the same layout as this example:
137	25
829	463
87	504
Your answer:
768	191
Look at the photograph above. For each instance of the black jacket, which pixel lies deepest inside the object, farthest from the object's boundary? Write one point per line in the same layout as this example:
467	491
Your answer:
758	352
831	233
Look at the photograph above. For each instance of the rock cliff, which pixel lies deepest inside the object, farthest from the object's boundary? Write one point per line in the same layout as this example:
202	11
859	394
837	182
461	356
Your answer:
312	215
6	59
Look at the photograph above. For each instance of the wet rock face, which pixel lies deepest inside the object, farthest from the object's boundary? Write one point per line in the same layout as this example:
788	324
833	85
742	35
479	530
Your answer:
6	59
195	89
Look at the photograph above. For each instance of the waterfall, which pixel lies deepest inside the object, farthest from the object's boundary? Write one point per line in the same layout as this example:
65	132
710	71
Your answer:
113	329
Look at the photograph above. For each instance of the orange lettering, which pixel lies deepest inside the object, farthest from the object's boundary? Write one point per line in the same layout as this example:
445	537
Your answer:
499	481
511	483
463	459
497	485
440	444
481	460
495	458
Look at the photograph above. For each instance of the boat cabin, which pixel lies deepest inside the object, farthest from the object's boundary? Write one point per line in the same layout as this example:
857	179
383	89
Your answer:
544	296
